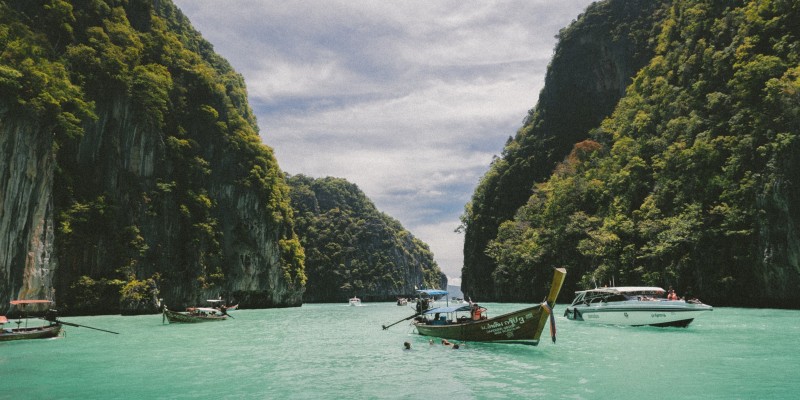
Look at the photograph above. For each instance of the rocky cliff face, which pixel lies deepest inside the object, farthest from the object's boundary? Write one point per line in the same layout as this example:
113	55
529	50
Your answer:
139	174
26	210
594	61
687	183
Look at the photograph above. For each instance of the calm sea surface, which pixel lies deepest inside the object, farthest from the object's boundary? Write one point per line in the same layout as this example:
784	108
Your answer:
333	351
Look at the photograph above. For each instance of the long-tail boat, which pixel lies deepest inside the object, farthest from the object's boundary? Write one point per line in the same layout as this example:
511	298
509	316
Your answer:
52	329
193	314
522	326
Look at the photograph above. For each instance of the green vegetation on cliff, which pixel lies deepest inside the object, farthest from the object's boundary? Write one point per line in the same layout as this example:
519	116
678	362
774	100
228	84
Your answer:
161	179
354	249
692	181
593	63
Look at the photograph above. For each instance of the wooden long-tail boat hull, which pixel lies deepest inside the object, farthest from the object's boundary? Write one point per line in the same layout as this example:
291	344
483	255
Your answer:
39	332
522	326
178	317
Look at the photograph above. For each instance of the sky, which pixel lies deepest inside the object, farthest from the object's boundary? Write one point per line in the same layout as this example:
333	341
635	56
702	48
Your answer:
409	100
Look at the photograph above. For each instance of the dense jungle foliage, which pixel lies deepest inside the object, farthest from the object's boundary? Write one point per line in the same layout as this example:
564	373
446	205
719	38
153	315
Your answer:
692	181
151	131
352	249
593	63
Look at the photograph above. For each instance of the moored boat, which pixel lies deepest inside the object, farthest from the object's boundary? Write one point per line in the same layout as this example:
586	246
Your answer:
52	329
521	326
633	306
193	314
354	301
37	332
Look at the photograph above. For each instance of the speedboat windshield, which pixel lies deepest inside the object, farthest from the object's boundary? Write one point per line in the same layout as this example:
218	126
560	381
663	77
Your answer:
618	294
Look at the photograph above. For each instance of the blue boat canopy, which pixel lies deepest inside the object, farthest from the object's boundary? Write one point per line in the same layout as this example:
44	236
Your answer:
432	292
441	310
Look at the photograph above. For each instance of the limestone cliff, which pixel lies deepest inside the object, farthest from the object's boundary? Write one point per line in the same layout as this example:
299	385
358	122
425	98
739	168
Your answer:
352	249
690	181
594	61
26	211
131	168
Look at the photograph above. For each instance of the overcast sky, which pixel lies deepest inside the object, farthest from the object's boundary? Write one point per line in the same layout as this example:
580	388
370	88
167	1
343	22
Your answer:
409	100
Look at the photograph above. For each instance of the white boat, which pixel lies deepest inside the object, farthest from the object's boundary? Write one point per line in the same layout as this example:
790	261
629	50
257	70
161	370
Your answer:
634	306
355	301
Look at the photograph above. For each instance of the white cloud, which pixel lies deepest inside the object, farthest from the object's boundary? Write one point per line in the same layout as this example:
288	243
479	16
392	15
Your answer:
440	237
409	100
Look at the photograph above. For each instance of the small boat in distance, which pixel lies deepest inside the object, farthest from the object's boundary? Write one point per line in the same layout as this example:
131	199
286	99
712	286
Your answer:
355	301
52	329
193	314
523	326
402	301
220	305
633	306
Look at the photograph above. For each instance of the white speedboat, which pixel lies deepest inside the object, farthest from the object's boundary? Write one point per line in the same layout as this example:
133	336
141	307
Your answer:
633	305
355	301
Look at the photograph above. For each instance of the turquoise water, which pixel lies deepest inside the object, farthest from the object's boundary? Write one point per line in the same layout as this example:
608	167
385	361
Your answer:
332	351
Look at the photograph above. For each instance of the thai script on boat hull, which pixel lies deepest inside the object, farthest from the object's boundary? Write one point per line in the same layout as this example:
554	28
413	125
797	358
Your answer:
507	327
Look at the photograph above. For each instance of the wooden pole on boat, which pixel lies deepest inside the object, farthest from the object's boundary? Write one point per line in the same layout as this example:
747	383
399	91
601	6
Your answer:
546	312
51	317
555	288
58	321
404	319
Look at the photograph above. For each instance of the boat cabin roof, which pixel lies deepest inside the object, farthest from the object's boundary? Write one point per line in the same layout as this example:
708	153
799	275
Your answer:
626	290
432	292
23	302
442	310
616	293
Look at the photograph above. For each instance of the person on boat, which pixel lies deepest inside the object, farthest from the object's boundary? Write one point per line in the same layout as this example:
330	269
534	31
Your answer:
476	312
672	295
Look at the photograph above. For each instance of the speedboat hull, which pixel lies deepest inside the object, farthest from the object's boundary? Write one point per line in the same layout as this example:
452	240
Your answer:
638	313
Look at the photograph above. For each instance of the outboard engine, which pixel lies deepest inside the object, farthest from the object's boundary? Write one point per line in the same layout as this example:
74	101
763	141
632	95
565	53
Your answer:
51	315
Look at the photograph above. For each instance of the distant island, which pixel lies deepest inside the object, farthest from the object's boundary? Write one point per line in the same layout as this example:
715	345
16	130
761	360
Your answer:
352	249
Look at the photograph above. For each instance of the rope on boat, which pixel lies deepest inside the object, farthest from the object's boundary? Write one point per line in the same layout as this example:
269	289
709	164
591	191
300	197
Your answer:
552	321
